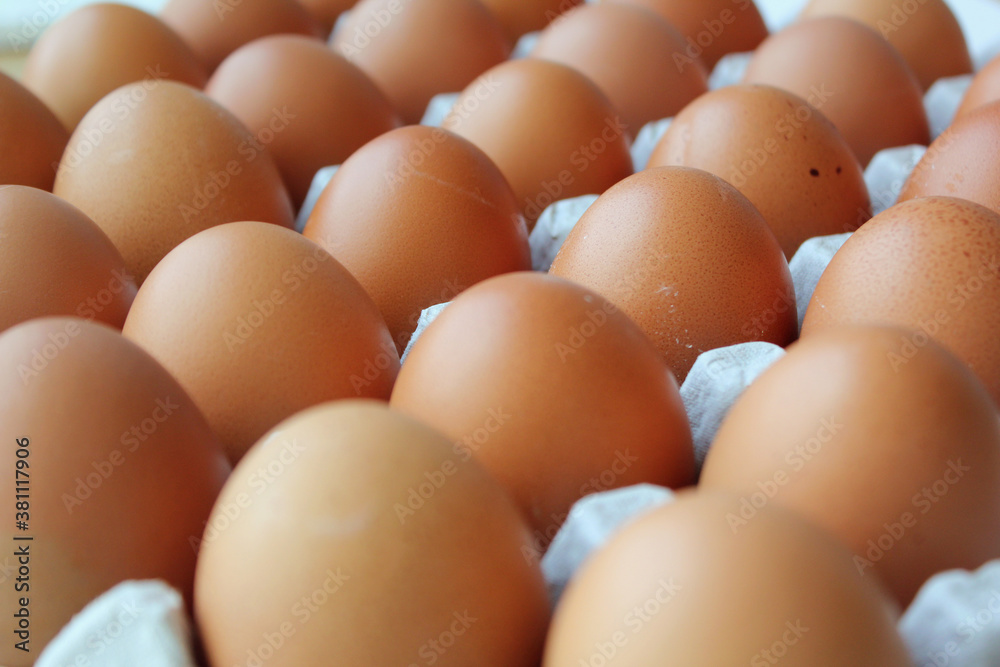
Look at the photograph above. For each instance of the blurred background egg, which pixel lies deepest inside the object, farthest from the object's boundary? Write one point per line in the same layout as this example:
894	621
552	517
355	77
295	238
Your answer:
99	48
418	215
687	257
327	11
32	137
309	106
424	48
522	16
156	162
985	88
382	547
123	470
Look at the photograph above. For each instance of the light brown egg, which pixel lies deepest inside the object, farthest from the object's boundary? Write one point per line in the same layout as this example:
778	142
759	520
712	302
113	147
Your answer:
554	390
680	586
711	28
864	85
310	107
963	162
928	264
631	54
910	27
417	216
215	29
327	11
415	50
687	257
32	137
117	467
354	535
896	453
259	323
154	163
100	48
985	89
550	129
523	16
55	261
780	152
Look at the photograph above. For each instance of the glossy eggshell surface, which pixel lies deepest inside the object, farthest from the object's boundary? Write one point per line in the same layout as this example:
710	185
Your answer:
32	137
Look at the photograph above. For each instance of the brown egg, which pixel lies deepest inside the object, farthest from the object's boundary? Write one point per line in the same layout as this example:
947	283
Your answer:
551	131
216	29
678	586
32	137
985	88
424	48
115	466
910	27
866	88
780	152
440	219
631	54
55	261
383	547
154	163
522	16
553	390
928	264
259	323
963	162
314	106
712	28
687	257
896	453
99	48
327	11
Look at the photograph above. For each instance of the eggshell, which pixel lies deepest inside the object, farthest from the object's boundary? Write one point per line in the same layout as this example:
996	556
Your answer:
99	48
929	264
711	28
327	11
556	392
896	453
55	261
154	163
868	90
680	586
215	29
630	54
687	257
332	107
120	471
985	89
424	48
550	129
911	28
259	323
780	152
522	16
439	219
383	547
32	137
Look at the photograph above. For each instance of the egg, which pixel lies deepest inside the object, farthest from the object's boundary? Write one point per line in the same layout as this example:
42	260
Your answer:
215	29
895	451
711	28
631	54
156	162
779	151
314	106
550	129
909	27
423	48
680	586
523	16
383	547
99	48
687	257
327	11
117	468
856	78
438	220
929	264
258	323
553	389
32	137
55	261
985	88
